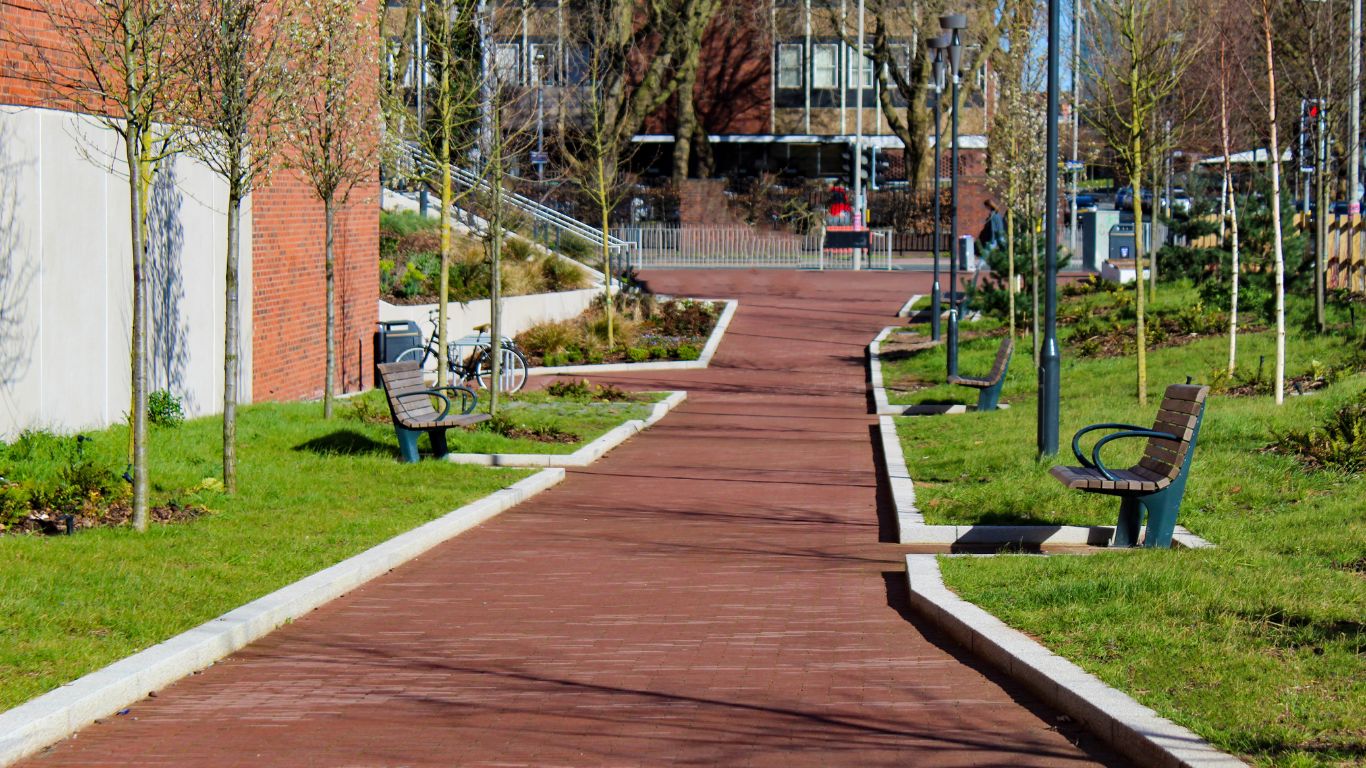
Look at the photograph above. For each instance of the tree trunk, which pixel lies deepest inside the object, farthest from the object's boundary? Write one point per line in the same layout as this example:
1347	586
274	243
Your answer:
329	272
1320	225
1229	203
135	142
1034	259
231	340
443	291
1277	237
1140	298
687	121
1152	241
605	209
1010	267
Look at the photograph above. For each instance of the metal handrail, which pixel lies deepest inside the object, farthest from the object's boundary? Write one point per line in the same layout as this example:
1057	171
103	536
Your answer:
536	210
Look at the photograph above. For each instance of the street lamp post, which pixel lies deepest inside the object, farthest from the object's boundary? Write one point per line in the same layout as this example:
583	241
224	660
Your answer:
1050	361
953	23
538	61
937	45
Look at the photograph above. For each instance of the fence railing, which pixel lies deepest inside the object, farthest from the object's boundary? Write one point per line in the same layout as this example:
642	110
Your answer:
739	247
1345	266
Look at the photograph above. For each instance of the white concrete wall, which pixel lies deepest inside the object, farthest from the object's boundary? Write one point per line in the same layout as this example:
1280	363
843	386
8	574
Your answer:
519	312
66	277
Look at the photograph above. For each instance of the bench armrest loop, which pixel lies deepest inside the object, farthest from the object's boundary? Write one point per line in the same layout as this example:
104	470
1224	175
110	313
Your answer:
468	399
1095	452
1076	439
430	393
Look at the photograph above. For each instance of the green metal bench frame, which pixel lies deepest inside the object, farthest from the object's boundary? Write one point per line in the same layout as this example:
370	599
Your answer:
1158	482
990	388
410	405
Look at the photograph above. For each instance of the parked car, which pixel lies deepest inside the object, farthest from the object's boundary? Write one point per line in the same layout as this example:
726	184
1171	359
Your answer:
1124	198
1085	202
1180	202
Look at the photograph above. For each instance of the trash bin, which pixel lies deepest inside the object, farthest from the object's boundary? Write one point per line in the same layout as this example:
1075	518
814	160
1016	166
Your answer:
393	338
967	253
1121	242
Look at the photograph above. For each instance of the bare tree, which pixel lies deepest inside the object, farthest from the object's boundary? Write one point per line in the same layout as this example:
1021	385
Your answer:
1266	16
1143	49
896	40
1016	133
452	93
123	61
240	86
333	125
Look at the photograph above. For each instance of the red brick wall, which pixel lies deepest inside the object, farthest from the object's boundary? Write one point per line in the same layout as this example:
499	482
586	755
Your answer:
288	296
289	290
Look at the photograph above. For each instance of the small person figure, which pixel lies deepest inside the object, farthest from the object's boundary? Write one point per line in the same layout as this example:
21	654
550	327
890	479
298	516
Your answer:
994	233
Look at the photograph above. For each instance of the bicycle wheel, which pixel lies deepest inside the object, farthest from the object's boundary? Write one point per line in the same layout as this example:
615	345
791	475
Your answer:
512	375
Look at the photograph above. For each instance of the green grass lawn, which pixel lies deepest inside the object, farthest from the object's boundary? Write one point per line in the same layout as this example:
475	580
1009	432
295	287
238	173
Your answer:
1257	645
311	493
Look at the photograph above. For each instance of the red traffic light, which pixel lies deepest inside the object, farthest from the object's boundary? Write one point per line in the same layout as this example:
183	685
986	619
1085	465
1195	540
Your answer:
1313	110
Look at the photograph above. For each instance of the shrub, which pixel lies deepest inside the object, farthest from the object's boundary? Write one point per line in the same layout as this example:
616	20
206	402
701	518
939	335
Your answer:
14	504
1338	444
658	352
684	317
562	275
687	352
164	409
637	354
576	248
610	393
570	390
547	338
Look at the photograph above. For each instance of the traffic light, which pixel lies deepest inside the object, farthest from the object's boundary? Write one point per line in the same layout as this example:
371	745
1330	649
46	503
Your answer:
876	166
1311	111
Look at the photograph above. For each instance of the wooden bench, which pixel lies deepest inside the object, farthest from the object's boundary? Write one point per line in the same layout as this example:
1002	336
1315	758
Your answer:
991	386
410	405
1158	481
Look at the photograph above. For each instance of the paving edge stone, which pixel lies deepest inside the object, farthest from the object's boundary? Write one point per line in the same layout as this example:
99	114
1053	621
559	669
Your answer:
703	360
583	456
905	310
47	719
1134	730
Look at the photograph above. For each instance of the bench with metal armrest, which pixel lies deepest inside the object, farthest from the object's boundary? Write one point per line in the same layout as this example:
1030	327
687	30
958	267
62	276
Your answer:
1157	482
990	387
410	405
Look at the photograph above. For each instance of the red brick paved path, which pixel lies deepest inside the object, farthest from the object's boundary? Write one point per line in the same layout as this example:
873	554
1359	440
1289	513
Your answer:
712	593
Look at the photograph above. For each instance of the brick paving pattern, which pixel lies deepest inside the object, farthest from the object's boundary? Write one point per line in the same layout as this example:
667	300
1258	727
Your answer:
713	593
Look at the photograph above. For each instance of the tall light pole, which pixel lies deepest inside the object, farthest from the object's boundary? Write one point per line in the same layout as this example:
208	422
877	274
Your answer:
859	207
1354	118
953	23
538	61
937	45
1076	118
420	83
1050	360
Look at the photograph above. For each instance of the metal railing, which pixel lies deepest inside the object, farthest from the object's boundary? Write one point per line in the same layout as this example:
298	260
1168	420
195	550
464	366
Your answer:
743	248
621	249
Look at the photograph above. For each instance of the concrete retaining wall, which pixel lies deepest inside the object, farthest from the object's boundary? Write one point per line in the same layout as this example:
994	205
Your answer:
66	277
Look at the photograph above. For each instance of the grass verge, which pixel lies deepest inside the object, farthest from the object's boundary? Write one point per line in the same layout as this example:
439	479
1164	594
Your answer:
1258	645
311	493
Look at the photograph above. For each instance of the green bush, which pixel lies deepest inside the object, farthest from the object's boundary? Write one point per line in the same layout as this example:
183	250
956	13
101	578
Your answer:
164	409
687	352
658	352
637	354
1337	444
547	338
570	390
561	275
406	223
576	248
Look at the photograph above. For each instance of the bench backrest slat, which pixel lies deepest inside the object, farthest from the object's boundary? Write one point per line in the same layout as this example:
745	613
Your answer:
404	378
1179	415
1003	354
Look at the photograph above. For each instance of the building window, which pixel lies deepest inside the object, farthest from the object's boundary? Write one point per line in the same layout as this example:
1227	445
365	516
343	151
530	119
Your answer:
790	65
543	63
506	61
899	56
824	65
855	61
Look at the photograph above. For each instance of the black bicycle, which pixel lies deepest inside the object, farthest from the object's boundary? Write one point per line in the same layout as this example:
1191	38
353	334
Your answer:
470	359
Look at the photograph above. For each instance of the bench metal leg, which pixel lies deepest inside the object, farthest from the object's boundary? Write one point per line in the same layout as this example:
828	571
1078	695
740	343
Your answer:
989	397
438	437
1162	508
1130	518
407	444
